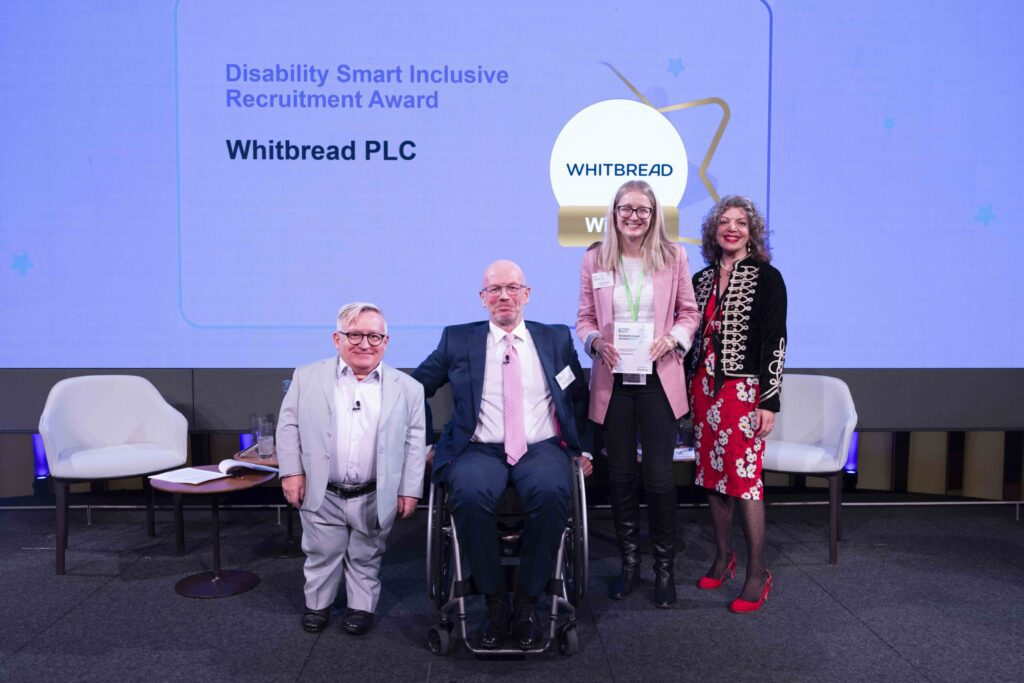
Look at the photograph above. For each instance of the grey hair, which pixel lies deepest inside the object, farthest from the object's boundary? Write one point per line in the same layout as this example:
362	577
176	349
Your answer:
757	245
349	312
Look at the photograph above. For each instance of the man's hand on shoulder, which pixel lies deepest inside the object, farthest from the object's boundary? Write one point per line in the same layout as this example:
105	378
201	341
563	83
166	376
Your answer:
406	506
294	488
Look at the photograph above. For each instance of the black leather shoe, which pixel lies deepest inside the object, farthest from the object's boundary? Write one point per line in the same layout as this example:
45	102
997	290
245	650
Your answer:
626	581
357	622
525	625
315	620
494	628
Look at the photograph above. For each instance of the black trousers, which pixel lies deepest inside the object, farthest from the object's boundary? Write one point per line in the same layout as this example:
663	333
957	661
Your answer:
645	410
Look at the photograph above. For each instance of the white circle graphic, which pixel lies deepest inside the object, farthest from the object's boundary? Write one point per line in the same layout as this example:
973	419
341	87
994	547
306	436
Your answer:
611	142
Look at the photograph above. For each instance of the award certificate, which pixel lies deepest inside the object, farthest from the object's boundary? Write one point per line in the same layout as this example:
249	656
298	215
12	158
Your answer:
633	340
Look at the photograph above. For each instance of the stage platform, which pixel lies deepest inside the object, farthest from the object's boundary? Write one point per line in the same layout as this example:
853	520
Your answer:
920	594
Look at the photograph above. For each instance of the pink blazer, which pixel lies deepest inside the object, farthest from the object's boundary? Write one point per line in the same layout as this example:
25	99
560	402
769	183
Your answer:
674	306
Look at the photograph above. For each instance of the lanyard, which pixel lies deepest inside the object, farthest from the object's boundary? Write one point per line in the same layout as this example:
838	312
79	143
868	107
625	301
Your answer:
634	306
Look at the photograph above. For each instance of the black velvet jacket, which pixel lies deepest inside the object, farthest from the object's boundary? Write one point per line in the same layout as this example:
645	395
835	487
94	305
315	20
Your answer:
752	316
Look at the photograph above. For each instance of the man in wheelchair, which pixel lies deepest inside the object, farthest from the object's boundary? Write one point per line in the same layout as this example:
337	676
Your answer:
519	413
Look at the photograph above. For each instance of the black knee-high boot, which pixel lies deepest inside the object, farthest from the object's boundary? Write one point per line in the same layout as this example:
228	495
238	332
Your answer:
626	515
661	509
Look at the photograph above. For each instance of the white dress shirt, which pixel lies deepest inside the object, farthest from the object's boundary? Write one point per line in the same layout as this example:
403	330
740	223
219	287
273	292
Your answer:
538	408
356	416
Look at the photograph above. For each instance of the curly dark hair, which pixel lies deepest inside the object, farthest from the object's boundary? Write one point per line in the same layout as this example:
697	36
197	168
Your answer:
757	245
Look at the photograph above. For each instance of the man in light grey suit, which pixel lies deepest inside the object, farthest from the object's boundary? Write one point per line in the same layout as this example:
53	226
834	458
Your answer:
351	444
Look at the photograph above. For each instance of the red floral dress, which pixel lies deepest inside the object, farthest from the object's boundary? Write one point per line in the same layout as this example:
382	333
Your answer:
728	453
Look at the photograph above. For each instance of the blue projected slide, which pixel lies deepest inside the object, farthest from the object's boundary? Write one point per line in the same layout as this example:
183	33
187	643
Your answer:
192	184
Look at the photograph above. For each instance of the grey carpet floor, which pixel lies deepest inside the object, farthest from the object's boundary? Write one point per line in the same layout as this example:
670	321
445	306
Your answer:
919	594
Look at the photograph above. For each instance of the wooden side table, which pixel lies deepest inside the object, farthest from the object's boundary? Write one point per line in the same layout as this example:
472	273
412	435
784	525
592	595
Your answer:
277	547
218	583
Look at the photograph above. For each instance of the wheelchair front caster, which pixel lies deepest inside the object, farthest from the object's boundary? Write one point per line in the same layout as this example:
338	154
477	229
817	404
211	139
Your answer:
568	640
439	639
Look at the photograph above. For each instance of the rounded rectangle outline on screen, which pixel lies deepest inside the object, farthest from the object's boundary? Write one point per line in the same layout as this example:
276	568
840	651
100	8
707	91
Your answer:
237	326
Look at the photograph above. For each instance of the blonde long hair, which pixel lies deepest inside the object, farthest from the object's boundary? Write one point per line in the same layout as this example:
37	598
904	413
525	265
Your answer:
656	250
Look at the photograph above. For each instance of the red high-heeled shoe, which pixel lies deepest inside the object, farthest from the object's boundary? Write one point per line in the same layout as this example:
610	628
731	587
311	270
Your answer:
707	583
740	606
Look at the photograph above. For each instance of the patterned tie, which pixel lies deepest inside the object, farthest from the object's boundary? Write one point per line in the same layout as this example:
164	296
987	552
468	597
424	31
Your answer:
512	403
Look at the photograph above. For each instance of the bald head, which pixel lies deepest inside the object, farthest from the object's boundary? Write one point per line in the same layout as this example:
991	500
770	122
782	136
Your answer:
505	306
503	271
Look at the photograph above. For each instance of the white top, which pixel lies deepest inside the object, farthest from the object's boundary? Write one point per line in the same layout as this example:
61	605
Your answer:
538	408
356	416
631	269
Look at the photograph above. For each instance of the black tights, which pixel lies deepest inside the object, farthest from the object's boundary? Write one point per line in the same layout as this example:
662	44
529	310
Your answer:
752	514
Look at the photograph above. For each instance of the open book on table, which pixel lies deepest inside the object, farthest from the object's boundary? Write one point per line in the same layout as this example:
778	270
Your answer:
226	468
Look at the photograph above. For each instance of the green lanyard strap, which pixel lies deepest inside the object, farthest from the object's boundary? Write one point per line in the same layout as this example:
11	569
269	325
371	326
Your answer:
634	305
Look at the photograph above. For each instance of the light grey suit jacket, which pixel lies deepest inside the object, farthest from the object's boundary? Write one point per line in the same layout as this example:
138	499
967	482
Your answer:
305	435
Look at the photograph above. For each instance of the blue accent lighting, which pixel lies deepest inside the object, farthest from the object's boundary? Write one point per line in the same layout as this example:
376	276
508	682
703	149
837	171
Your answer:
39	456
244	441
851	459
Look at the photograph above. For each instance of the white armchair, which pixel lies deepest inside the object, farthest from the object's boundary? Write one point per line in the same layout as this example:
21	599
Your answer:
105	427
812	436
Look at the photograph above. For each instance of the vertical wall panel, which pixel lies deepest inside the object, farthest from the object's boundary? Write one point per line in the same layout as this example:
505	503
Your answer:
17	465
927	466
983	465
874	461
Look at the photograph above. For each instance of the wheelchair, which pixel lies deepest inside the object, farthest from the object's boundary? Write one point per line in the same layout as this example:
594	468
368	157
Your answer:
448	587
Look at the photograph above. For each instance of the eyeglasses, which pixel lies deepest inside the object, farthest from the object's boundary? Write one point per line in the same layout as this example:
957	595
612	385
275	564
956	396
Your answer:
356	338
627	211
494	291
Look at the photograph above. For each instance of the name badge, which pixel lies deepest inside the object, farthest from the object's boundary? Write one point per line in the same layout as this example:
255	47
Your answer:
602	279
565	377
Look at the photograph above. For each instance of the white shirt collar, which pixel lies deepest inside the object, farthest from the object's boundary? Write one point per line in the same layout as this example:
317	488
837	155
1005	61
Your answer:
498	334
343	370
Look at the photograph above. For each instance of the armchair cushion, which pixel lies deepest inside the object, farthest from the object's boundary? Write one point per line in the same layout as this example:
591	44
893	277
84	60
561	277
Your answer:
109	462
789	456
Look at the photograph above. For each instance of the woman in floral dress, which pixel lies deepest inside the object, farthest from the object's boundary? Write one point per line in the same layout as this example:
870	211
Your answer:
736	382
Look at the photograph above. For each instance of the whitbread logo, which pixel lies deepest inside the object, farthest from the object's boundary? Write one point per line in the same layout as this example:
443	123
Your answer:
602	147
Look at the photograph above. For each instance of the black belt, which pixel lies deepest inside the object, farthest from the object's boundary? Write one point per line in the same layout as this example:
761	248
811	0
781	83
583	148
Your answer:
351	491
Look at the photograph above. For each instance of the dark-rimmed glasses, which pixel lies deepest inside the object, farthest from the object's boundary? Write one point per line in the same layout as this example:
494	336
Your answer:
356	338
627	211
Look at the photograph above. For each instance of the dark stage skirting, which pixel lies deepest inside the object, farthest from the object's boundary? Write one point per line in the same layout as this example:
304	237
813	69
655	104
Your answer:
920	593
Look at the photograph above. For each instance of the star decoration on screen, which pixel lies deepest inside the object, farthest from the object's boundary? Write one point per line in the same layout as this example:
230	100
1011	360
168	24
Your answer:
985	215
675	66
21	263
702	170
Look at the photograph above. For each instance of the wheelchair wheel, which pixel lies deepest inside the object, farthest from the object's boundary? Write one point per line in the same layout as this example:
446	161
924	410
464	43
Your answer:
439	564
568	640
577	546
440	641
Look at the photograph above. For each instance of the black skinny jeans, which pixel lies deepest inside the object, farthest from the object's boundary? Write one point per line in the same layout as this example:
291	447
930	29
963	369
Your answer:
645	409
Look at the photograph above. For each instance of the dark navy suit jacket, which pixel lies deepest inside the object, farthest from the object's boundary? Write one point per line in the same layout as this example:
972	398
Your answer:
460	357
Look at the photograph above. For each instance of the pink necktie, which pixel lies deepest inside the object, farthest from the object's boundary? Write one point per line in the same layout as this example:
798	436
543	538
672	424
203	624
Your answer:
512	403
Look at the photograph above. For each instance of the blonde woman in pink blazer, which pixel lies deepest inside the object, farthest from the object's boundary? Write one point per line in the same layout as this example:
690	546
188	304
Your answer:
635	278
